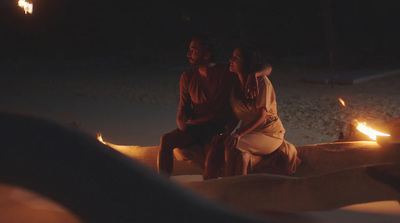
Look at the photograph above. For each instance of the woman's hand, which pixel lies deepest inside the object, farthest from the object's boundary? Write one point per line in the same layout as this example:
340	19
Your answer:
232	141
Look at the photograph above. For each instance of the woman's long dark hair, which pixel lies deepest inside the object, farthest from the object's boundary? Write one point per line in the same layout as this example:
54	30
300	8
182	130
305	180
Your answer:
251	56
251	63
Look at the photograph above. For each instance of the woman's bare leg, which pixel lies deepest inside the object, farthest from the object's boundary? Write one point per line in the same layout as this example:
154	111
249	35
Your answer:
242	163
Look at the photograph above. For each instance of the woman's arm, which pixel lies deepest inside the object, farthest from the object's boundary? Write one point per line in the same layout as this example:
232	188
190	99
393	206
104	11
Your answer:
232	140
258	119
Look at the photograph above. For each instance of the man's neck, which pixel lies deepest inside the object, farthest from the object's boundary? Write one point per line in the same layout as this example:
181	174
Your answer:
203	69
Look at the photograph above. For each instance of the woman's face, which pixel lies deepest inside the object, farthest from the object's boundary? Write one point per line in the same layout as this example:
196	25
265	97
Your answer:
236	61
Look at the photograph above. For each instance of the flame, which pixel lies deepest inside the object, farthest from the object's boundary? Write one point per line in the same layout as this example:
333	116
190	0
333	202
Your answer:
136	152
28	7
100	138
371	133
342	102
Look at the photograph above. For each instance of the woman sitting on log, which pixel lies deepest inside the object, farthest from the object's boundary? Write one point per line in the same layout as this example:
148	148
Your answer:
261	132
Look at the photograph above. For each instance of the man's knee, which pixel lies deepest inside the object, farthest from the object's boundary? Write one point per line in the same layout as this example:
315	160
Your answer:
166	141
170	140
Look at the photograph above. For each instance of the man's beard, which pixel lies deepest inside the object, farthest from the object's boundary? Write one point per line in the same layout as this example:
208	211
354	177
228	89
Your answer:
196	63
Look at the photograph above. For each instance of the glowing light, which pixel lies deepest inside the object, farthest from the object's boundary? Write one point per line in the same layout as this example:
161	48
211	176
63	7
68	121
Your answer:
100	138
342	102
136	152
27	6
371	133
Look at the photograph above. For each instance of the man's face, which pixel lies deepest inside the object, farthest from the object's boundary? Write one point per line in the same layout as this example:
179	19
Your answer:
197	55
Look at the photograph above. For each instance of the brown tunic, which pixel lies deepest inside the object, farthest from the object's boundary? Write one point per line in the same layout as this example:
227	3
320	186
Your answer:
207	101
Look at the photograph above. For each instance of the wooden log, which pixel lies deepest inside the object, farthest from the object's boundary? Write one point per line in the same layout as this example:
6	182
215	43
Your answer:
327	157
264	193
187	161
316	159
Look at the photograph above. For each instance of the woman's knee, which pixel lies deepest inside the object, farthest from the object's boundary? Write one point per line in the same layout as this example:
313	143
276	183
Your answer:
245	155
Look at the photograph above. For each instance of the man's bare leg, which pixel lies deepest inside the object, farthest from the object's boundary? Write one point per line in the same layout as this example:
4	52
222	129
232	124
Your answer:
230	162
168	143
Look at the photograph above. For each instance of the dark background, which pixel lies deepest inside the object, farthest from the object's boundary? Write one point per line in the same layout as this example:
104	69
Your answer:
358	33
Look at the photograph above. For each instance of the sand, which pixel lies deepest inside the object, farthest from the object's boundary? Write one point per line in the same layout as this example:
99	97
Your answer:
118	97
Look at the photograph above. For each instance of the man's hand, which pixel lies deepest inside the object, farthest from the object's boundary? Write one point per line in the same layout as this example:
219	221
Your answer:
251	87
232	141
181	119
182	125
217	139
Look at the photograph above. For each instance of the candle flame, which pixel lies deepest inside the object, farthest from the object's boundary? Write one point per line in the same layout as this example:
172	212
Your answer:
27	6
371	133
342	102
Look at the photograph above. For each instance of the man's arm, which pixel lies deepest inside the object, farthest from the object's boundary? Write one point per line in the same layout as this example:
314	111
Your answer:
264	69
251	82
184	107
181	119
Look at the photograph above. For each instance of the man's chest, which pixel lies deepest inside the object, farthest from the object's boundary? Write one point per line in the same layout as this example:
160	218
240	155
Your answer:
203	89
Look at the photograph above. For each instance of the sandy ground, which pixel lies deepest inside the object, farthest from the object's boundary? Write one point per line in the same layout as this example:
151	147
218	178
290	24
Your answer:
135	106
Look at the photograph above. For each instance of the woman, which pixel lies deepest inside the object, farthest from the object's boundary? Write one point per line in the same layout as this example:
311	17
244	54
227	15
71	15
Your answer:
261	131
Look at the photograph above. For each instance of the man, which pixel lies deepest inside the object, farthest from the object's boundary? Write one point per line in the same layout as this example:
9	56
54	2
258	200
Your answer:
204	110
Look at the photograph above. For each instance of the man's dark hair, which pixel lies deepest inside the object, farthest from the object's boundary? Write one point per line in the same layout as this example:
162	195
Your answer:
209	42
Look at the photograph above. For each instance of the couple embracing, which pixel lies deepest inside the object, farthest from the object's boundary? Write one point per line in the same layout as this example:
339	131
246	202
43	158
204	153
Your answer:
229	109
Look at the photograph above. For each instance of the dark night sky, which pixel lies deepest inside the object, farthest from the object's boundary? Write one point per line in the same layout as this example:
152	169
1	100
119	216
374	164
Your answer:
84	28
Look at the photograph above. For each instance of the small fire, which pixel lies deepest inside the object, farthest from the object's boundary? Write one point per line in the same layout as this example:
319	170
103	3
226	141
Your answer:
100	138
342	102
27	6
371	133
362	127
